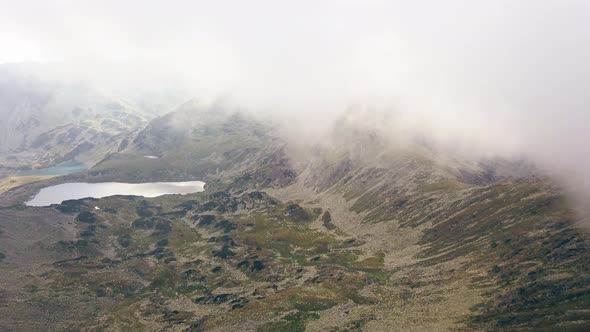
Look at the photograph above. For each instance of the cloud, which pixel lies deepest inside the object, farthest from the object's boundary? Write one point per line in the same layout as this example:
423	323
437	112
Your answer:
503	77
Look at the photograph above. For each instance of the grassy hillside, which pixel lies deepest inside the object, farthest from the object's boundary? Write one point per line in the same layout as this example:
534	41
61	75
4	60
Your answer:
354	238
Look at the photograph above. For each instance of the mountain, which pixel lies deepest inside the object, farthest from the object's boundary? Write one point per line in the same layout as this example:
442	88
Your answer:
49	121
355	233
215	144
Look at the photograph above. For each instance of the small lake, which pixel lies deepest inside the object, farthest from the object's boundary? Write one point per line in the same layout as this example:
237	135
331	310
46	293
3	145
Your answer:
57	170
61	192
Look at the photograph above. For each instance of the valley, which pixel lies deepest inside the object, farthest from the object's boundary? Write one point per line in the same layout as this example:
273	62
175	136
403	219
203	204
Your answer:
356	238
294	166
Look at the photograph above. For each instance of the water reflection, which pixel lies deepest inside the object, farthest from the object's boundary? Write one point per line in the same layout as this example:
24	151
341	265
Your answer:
61	192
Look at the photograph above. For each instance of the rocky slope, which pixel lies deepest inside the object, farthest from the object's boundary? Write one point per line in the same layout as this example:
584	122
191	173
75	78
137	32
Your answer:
48	121
360	235
214	144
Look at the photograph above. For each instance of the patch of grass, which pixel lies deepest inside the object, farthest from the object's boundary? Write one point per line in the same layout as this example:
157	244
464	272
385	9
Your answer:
372	263
289	240
442	185
17	181
123	318
165	279
293	322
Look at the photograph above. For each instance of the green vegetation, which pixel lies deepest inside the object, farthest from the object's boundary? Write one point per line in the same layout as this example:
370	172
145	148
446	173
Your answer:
234	257
443	185
196	251
86	217
293	322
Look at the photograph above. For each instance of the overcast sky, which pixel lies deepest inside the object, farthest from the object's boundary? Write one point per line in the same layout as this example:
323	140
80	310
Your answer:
508	76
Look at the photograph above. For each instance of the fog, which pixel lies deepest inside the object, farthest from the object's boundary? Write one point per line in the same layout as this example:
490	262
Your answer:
490	77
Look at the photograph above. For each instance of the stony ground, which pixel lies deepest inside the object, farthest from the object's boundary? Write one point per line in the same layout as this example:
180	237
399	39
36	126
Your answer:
356	237
292	259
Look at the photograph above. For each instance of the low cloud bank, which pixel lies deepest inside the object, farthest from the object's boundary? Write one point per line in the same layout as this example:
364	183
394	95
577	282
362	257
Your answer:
505	78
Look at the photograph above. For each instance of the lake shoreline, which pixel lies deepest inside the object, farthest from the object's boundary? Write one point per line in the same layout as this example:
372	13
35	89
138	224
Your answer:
77	190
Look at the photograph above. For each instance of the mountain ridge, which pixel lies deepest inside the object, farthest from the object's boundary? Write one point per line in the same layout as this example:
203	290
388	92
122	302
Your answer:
362	236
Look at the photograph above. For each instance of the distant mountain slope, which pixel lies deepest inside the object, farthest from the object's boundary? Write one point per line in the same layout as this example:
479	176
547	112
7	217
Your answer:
510	246
47	121
198	142
355	234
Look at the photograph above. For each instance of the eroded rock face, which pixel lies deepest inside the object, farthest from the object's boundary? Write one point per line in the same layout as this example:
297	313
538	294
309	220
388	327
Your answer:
273	172
294	212
327	220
